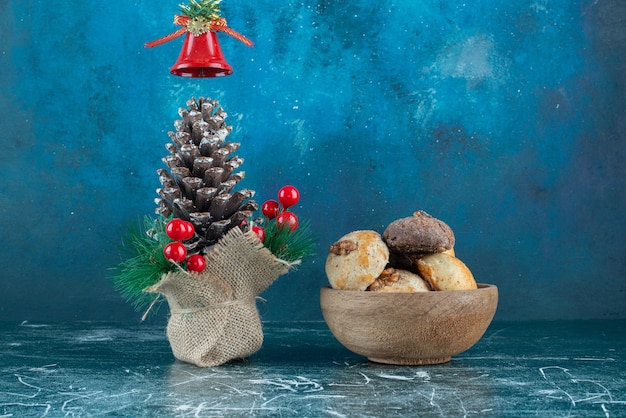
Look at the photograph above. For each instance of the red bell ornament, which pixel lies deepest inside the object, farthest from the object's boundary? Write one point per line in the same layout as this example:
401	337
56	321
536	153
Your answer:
200	57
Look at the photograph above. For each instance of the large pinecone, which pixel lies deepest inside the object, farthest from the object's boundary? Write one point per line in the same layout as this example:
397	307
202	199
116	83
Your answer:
203	173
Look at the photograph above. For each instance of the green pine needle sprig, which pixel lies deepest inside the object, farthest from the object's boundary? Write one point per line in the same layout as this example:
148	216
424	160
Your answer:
288	245
145	262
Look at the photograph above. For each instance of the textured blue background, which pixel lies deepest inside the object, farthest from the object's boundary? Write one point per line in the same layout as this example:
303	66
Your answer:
504	119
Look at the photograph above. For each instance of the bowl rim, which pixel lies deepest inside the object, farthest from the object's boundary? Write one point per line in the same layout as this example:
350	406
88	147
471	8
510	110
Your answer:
480	286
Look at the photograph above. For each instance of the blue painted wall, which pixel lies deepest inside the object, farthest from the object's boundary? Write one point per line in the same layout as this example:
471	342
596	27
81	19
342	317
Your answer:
505	119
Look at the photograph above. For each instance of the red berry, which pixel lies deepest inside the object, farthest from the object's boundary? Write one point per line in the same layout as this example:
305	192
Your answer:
190	231
196	263
260	232
179	230
270	208
288	196
287	219
175	251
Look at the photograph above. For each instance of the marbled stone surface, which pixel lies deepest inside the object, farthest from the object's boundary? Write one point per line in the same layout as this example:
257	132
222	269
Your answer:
540	369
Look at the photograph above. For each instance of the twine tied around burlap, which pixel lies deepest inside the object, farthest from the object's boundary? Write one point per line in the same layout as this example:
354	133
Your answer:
213	314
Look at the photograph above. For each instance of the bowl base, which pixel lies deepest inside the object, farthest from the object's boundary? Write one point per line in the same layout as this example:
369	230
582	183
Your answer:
411	362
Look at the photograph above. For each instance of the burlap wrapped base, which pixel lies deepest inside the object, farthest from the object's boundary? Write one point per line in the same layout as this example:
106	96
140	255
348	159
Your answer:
213	315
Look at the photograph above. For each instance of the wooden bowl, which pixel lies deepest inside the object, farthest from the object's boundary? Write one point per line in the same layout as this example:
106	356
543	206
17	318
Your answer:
409	328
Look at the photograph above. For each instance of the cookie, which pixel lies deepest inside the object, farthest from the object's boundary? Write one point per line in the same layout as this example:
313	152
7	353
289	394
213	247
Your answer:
399	281
445	272
356	260
418	234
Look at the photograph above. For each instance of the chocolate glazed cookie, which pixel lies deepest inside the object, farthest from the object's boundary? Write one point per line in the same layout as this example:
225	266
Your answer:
418	234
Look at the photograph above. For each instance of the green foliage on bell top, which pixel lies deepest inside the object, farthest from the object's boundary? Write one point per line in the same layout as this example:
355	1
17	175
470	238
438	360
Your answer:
145	262
201	9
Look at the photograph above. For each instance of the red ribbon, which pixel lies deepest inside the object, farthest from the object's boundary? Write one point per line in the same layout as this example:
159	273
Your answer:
218	25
